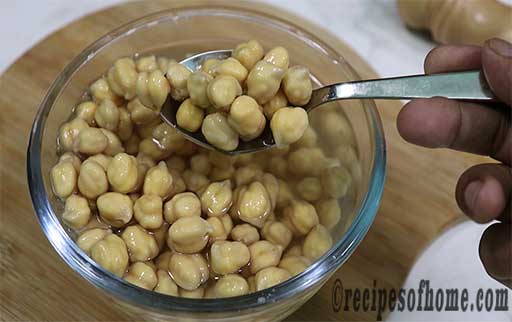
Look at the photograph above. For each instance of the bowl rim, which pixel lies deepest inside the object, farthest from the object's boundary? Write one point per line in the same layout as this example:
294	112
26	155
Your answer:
113	285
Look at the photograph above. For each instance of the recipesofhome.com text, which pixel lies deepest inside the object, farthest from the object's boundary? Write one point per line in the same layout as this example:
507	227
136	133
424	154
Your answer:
423	298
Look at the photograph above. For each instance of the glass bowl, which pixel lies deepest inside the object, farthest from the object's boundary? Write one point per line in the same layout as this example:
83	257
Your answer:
177	33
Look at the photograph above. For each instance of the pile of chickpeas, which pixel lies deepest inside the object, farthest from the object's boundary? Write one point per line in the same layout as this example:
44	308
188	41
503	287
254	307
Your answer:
231	99
153	208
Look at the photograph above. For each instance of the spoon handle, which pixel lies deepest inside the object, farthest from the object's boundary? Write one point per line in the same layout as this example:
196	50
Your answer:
467	85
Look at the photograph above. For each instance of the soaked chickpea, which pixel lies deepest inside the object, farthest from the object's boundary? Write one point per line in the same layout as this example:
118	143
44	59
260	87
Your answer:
208	65
231	285
220	174
336	128
310	189
177	74
152	89
285	195
185	204
347	155
114	145
278	56
125	125
293	250
76	212
148	211
246	174
179	183
306	162
90	141
270	183
336	181
162	261
187	149
176	163
92	179
100	90
189	116
141	275
122	173
217	198
231	67
264	254
218	132
165	283
107	115
122	78
295	264
317	243
145	131
308	140
72	158
198	293
189	271
255	205
68	133
146	64
234	211
201	164
245	233
150	148
197	85
160	235
90	237
329	212
222	91
101	159
277	233
195	182
302	216
158	181
86	111
63	177
264	81
248	53
246	117
115	208
167	138
110	253
141	114
270	276
227	257
221	227
189	234
288	125
297	85
141	244
164	62
278	167
275	103
221	160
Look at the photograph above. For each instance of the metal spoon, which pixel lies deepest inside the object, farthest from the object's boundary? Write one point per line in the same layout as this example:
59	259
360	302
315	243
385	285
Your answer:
467	85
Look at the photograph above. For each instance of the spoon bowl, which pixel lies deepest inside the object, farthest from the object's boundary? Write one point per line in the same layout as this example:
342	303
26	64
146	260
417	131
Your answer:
467	85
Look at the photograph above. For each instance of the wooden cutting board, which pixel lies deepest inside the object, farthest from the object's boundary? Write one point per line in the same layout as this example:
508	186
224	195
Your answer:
35	284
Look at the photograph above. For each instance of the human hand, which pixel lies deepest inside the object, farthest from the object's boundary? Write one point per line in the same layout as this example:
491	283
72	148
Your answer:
484	191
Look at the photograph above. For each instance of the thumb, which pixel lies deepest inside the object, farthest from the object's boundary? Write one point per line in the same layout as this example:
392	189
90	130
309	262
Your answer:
497	66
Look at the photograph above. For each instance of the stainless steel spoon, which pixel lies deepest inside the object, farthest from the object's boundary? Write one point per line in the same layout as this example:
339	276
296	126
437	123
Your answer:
467	85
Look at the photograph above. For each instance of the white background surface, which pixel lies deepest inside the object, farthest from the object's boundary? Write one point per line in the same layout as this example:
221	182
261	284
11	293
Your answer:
374	30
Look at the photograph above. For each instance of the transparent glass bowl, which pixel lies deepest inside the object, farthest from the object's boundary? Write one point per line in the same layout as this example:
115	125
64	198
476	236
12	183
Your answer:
177	33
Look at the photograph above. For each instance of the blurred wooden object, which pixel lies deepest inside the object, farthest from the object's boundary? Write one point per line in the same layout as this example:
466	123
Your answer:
36	285
458	21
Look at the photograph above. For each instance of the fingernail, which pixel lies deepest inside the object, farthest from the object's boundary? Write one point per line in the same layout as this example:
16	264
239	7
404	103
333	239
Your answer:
471	194
500	47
